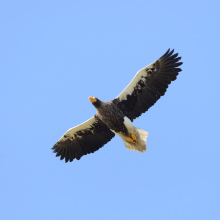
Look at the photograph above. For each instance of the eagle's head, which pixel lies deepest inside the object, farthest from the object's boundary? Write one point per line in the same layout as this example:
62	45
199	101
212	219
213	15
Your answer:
95	101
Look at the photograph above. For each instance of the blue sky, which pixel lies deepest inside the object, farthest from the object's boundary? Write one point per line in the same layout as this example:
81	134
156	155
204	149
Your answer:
54	54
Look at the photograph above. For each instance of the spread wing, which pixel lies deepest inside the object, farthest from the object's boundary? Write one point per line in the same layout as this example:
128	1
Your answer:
148	85
83	139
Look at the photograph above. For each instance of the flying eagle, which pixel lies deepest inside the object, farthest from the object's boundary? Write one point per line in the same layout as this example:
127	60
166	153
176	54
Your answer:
117	115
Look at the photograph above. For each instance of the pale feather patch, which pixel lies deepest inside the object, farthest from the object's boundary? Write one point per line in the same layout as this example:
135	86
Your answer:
72	131
130	87
128	123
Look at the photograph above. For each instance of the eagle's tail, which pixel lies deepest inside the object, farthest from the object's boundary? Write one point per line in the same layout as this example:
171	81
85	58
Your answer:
140	144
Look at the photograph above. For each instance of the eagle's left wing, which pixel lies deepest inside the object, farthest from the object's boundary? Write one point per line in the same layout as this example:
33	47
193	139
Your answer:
148	85
83	139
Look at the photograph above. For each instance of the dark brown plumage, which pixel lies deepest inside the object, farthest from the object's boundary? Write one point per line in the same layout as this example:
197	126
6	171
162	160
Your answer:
112	116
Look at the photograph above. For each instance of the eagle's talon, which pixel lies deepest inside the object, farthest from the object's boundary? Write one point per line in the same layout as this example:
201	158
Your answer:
132	138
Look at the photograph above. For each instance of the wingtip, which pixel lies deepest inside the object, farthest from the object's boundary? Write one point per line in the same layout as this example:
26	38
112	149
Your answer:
167	52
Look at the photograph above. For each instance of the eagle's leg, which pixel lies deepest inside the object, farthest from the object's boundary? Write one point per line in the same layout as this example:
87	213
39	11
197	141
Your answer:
132	138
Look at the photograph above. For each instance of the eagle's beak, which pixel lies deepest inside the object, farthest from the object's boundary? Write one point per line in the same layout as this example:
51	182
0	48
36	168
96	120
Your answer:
92	99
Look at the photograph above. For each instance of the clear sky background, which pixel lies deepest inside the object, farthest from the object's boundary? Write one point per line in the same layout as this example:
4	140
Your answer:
54	54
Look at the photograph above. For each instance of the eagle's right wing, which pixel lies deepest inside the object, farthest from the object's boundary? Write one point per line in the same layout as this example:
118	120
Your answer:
83	139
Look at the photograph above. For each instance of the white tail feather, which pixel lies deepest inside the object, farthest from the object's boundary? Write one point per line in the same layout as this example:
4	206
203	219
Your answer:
140	134
140	145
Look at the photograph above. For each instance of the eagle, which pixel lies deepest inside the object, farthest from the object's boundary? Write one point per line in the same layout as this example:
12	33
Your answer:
117	115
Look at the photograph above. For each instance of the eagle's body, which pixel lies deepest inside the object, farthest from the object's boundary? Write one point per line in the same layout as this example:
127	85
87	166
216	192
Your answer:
112	116
117	122
117	115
